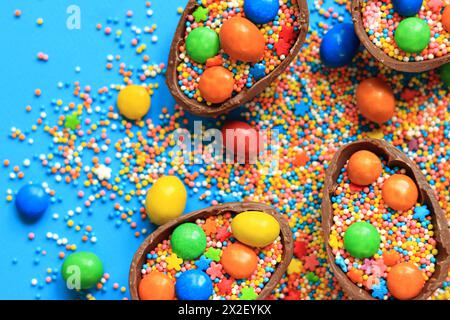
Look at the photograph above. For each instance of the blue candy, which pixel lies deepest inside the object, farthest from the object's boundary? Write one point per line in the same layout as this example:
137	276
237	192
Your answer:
193	285
407	8
261	11
339	46
32	201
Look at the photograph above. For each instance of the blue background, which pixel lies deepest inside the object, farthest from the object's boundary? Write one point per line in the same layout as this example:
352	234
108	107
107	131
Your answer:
21	73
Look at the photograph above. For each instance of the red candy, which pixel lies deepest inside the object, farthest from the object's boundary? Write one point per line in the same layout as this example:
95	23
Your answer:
246	140
446	18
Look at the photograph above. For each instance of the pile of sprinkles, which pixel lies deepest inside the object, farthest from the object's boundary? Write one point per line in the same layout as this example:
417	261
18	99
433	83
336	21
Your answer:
235	270
112	161
392	237
248	62
425	23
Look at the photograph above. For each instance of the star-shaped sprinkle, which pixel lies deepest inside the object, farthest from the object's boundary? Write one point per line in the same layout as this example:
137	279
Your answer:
391	258
258	71
311	262
213	254
72	121
200	14
300	248
301	109
282	47
203	263
435	5
355	188
379	290
371	281
413	145
355	275
248	293
312	277
408	94
375	134
295	266
288	34
224	286
214	61
173	262
215	271
300	159
341	263
293	295
420	213
222	233
209	226
102	172
334	242
378	268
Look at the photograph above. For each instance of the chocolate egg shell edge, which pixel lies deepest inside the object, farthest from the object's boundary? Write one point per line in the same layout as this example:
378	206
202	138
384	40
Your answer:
397	158
201	109
164	231
419	66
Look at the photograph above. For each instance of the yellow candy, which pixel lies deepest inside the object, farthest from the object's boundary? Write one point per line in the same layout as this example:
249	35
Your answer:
255	228
133	102
165	200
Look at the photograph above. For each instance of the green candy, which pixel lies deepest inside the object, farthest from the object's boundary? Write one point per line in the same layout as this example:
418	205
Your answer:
82	270
412	35
362	240
188	241
445	74
202	43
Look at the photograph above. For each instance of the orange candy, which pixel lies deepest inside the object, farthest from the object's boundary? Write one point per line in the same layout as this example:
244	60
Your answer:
391	258
400	192
156	286
364	167
375	100
216	84
242	40
239	261
446	18
405	281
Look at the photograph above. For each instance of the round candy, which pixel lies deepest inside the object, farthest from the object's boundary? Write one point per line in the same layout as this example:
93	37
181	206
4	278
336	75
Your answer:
407	8
165	200
255	228
241	140
405	281
362	240
364	167
242	40
82	270
216	84
412	35
375	100
339	46
202	43
133	102
261	11
194	285
445	19
32	201
399	192
444	73
156	286
188	241
239	261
